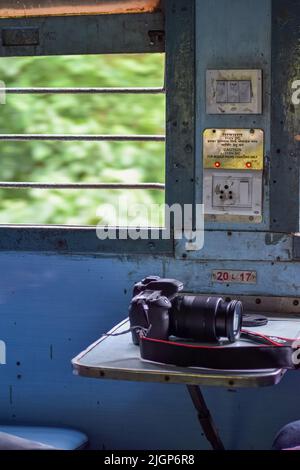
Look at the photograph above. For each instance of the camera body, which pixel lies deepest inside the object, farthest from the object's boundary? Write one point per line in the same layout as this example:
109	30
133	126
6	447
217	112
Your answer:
150	305
158	311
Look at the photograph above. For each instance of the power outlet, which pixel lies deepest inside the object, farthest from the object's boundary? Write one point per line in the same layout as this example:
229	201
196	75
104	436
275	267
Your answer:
232	192
231	195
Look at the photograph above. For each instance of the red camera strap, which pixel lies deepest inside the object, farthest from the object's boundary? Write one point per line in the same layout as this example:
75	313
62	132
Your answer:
273	352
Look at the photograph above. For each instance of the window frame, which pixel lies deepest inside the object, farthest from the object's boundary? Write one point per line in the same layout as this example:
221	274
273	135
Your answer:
171	31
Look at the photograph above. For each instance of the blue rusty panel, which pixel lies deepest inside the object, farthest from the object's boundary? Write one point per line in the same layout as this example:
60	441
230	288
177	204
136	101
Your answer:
233	34
54	306
180	102
274	278
229	245
285	117
96	34
72	240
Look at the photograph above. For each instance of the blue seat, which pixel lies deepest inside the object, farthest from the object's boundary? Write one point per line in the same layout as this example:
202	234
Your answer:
57	438
288	437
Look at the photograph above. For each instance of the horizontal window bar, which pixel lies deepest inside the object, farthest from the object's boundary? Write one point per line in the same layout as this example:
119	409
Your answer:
81	138
29	91
23	185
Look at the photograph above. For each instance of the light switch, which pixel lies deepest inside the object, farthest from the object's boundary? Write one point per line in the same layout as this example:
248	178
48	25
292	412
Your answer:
245	91
233	92
244	193
222	91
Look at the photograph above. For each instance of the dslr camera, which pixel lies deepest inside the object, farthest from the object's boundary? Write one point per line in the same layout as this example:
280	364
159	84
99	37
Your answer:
158	310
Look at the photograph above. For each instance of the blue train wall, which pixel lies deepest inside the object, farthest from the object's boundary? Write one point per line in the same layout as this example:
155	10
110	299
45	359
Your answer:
54	305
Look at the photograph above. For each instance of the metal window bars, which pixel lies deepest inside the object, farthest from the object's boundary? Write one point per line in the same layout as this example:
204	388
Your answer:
82	138
85	90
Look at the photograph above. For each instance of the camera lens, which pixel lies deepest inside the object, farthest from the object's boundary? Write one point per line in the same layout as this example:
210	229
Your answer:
205	318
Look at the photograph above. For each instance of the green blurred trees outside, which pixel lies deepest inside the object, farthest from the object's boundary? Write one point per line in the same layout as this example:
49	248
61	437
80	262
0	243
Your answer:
79	114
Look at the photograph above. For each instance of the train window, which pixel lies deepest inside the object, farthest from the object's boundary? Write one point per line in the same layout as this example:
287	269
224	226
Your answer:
99	109
15	8
79	133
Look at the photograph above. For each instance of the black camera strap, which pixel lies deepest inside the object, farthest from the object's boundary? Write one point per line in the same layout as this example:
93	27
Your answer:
271	353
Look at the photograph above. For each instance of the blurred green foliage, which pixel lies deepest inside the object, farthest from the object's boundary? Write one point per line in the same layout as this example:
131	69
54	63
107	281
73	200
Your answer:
79	114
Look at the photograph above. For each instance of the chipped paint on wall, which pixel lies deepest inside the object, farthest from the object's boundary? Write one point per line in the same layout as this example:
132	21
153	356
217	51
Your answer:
29	8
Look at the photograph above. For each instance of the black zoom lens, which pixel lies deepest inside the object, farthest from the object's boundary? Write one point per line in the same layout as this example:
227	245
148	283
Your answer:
205	318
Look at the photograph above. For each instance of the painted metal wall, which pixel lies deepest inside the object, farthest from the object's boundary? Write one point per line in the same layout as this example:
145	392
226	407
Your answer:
53	306
234	35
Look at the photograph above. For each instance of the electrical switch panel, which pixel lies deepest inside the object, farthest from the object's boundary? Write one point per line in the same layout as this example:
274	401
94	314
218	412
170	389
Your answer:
234	92
233	174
